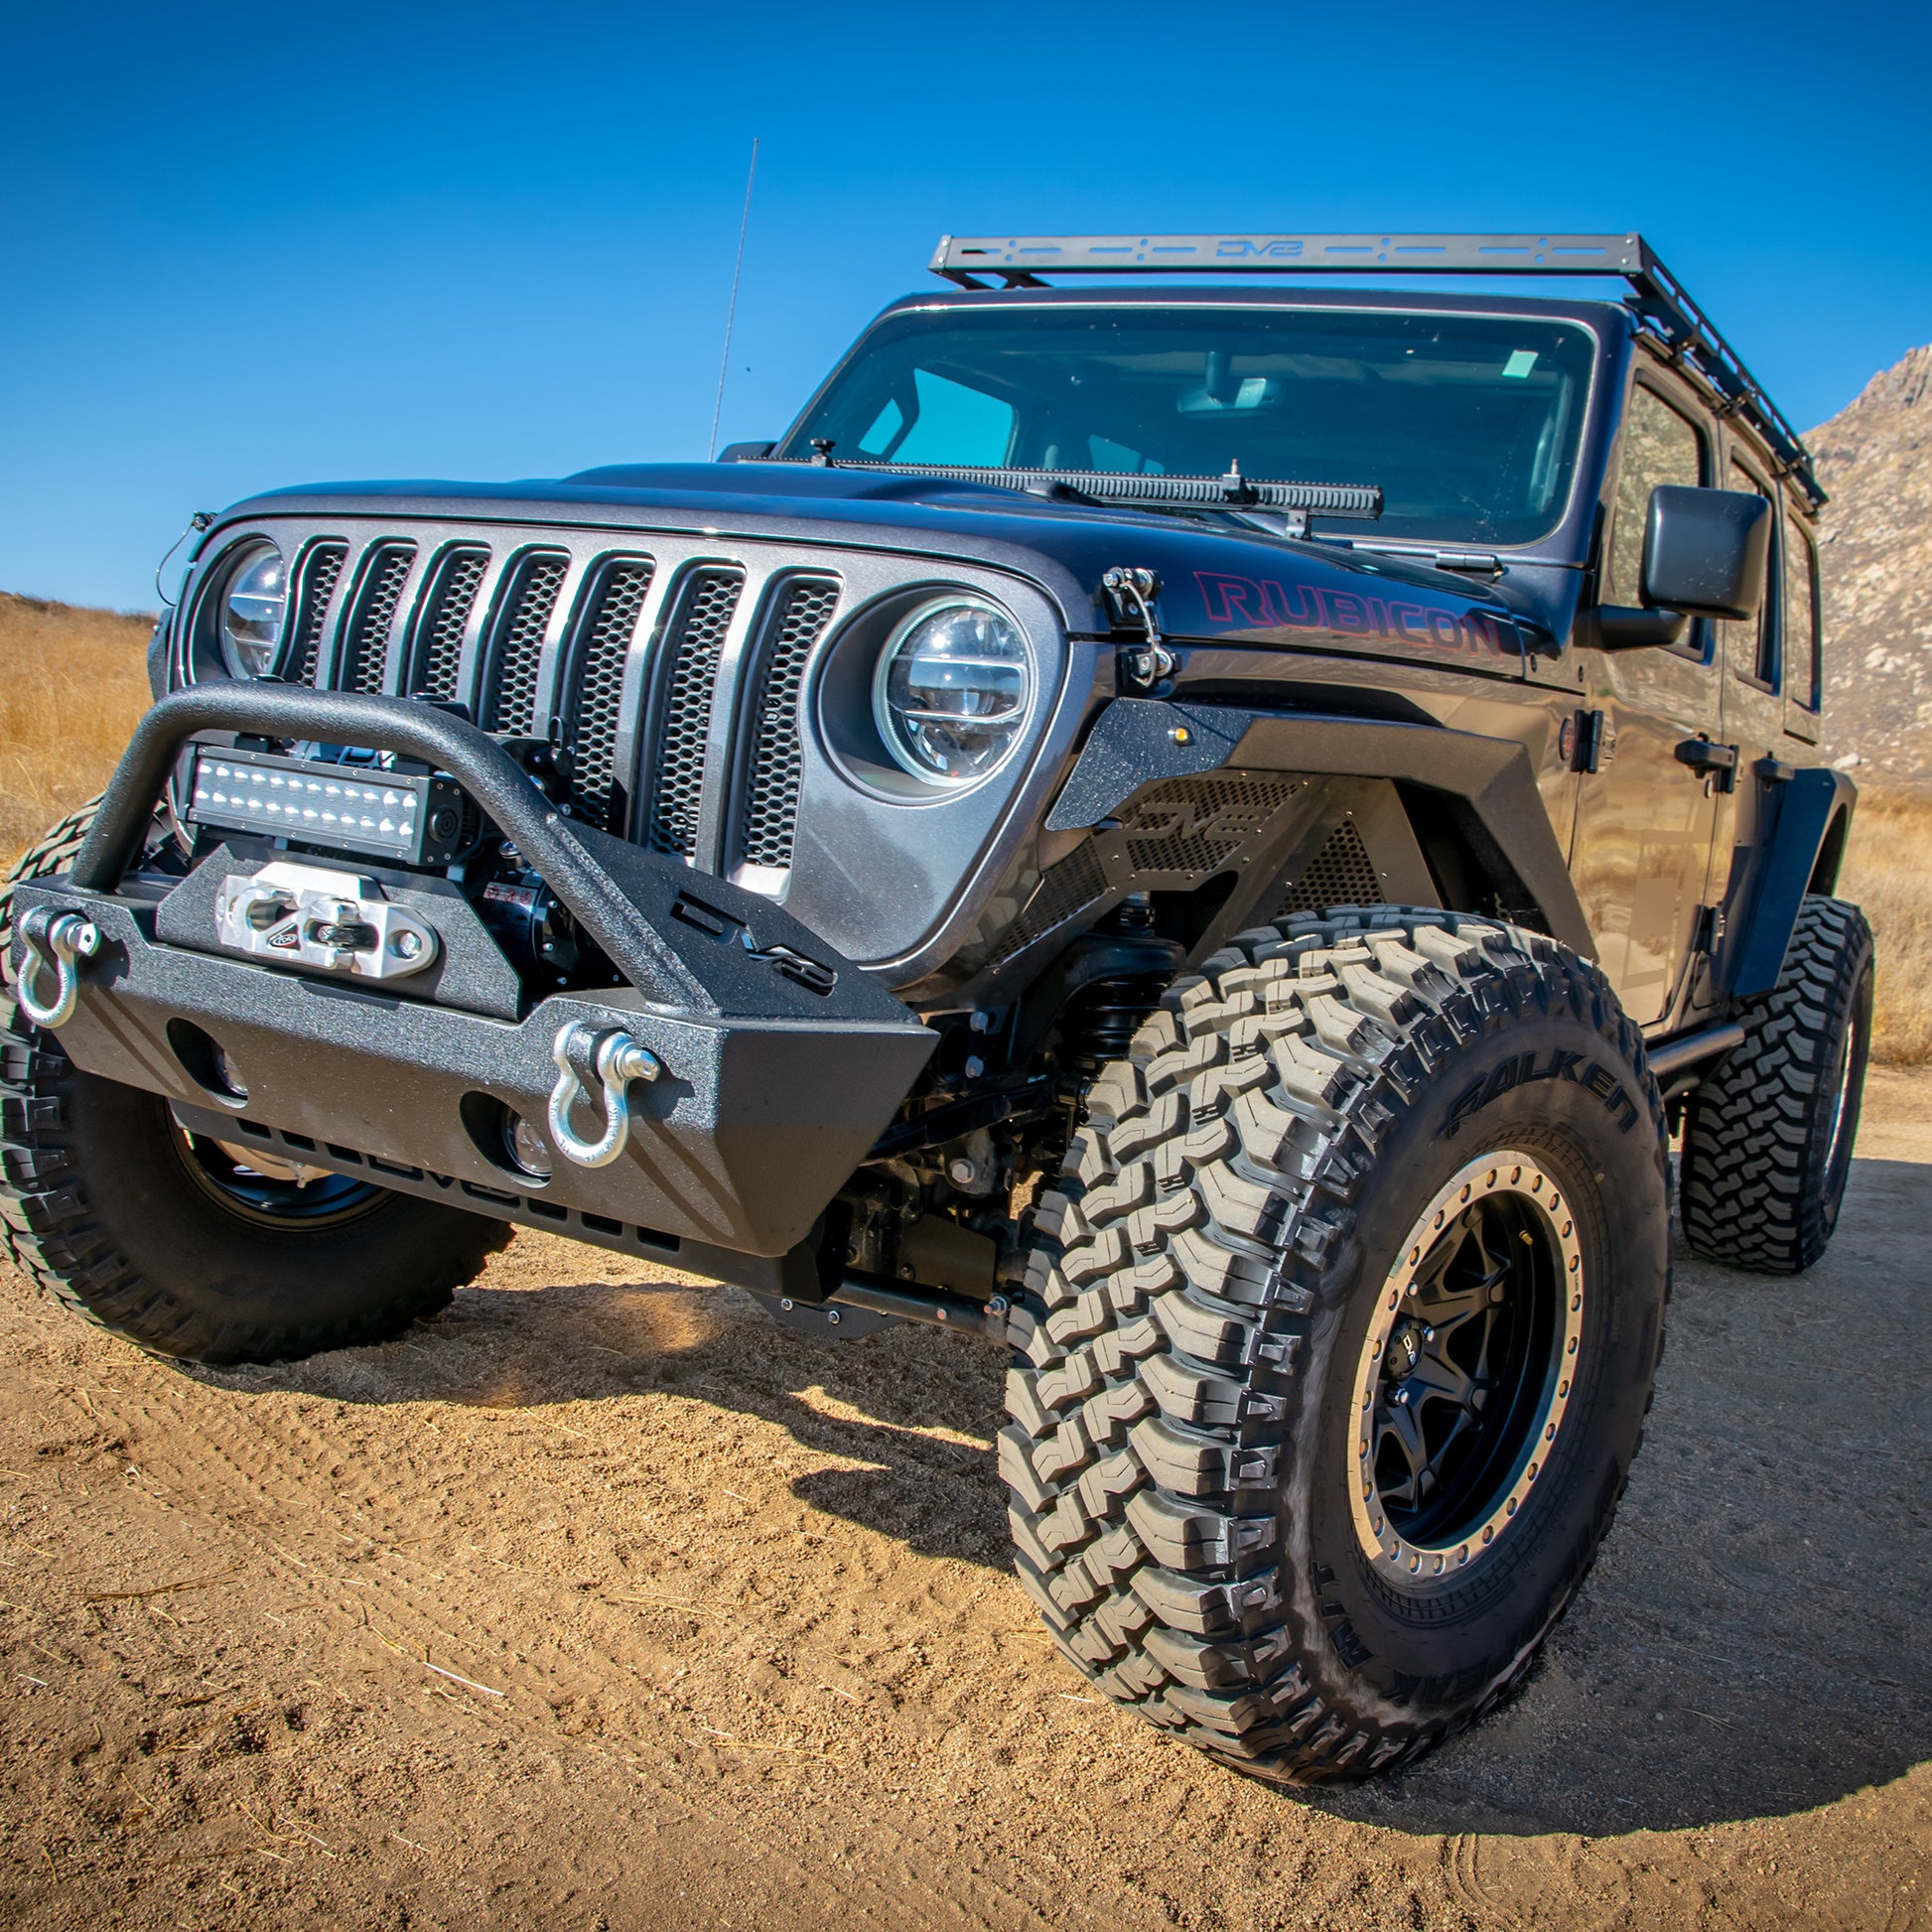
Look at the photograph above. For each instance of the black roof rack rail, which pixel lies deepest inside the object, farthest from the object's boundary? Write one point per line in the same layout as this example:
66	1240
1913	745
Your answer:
1662	305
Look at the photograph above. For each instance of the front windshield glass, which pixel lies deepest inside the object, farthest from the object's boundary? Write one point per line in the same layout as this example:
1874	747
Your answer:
1470	423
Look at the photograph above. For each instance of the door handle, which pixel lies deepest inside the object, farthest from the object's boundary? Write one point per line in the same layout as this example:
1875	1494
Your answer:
1708	761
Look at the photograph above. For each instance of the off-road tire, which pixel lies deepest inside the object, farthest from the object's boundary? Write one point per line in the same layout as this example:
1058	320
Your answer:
1768	1135
99	1205
1201	1286
53	852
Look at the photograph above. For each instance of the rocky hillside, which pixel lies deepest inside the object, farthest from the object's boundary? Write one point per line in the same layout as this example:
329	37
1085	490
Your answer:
1875	456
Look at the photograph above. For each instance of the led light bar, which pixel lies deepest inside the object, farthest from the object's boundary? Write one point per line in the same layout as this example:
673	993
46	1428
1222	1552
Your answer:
340	807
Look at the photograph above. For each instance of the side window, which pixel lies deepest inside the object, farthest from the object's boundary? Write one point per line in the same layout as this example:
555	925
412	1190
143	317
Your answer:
1752	648
1659	447
1801	653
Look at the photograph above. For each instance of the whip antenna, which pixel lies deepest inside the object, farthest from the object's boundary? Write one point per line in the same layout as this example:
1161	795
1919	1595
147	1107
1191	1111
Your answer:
731	314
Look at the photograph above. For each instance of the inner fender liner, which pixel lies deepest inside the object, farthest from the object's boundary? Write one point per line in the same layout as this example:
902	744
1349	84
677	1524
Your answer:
1138	741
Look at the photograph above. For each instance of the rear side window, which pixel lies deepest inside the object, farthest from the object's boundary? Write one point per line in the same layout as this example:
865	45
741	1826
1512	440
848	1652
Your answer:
1659	447
1801	653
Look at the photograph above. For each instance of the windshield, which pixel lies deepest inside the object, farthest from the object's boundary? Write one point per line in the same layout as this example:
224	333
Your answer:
1470	424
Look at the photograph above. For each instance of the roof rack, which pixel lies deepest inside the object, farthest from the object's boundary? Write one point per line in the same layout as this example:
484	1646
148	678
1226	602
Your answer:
1663	308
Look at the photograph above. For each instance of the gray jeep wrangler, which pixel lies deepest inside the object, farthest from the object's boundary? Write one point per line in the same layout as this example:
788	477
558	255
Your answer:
1209	834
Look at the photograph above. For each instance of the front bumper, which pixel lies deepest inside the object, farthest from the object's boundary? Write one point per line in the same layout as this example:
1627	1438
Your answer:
772	1092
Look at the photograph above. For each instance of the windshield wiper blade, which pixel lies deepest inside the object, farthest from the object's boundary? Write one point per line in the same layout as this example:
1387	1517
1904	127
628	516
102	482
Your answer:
1230	491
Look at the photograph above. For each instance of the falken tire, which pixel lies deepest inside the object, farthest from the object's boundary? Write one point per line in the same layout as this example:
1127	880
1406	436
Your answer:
1768	1135
1207	1319
106	1204
54	851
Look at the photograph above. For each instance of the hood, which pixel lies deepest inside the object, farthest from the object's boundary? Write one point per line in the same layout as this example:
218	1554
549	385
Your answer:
1220	583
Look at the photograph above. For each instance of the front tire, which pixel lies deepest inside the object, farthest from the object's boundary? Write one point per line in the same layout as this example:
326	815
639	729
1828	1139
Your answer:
1340	1330
201	1249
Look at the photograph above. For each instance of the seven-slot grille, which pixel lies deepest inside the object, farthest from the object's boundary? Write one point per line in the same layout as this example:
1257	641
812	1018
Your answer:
622	664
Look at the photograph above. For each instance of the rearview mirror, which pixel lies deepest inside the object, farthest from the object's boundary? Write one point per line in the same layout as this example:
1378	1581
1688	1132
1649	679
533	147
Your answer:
1704	551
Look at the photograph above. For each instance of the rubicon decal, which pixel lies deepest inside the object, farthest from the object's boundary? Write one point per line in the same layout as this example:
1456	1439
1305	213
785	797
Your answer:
1522	1070
1265	604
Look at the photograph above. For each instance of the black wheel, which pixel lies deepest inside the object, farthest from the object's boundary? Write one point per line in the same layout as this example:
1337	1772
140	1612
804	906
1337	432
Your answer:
1338	1334
194	1247
1768	1136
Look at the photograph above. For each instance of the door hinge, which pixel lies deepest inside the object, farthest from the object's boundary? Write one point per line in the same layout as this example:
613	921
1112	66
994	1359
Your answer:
1708	761
1589	740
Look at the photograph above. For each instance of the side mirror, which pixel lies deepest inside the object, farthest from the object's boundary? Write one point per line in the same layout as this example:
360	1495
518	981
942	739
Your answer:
745	452
1704	551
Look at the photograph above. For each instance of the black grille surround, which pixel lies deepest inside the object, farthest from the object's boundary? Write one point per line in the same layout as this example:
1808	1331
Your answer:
593	709
438	653
517	648
315	589
693	650
769	815
366	653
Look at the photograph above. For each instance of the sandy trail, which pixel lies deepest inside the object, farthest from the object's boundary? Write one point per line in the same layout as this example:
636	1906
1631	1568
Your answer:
601	1602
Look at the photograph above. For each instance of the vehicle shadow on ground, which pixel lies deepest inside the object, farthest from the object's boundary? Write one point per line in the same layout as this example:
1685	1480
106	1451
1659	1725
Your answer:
1749	1644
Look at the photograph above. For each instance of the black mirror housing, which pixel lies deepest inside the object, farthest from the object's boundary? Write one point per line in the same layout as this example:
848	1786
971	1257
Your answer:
745	451
1704	551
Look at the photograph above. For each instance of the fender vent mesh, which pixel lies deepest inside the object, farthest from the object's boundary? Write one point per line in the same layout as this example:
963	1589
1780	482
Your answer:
1063	889
1196	825
320	569
1343	875
771	784
367	655
596	689
511	704
439	641
697	639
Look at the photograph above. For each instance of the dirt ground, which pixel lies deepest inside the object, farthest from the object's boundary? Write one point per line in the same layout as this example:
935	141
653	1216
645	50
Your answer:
601	1602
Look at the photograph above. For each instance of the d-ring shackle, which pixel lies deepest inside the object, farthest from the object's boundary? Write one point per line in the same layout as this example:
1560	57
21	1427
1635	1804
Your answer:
616	1059
58	939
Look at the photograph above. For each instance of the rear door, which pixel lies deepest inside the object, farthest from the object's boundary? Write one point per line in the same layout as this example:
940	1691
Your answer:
1644	820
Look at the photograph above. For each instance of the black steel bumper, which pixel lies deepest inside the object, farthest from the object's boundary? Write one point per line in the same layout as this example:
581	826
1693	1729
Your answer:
775	1085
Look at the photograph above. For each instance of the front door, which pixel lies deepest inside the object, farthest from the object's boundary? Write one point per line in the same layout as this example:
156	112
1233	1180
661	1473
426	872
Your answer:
1644	819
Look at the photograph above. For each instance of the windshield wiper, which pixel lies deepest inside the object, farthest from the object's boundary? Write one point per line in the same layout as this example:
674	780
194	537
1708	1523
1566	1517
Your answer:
1230	491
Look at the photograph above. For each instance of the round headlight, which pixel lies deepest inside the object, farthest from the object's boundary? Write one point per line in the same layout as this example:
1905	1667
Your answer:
253	607
953	690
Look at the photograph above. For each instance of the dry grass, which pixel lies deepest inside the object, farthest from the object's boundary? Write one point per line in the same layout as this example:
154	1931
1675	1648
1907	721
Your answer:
1888	871
73	682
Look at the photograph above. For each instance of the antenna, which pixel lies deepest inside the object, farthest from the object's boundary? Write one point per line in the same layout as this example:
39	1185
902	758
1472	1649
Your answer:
731	314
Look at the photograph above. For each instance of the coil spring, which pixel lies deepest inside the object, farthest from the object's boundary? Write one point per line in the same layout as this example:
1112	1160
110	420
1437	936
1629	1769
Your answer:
1105	1019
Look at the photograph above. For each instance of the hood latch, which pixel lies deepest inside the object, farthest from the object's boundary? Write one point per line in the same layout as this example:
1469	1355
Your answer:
1129	591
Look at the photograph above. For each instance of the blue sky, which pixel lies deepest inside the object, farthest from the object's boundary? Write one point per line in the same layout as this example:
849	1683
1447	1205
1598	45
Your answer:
248	246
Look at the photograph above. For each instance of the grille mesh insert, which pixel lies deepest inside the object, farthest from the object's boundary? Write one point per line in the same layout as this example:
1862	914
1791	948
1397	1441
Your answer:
519	643
320	569
772	787
367	655
597	688
440	640
679	776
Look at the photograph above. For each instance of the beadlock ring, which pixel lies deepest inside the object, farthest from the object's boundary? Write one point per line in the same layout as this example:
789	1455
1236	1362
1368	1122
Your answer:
1500	1174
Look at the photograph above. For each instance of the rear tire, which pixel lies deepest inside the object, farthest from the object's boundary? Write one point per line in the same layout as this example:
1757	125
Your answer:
1221	1289
1768	1136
